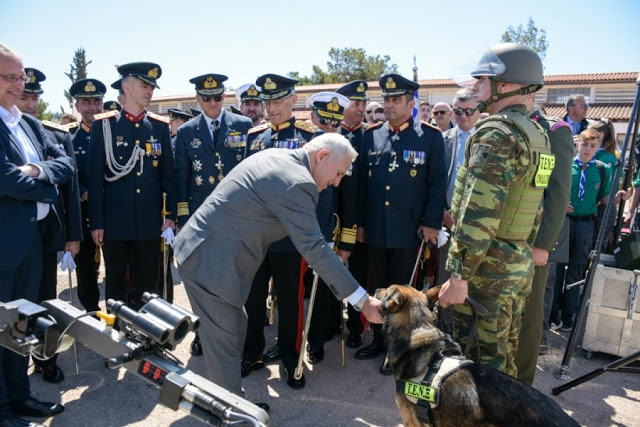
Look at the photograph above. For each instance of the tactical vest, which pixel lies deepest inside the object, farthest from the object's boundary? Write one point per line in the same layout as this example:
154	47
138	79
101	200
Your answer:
525	193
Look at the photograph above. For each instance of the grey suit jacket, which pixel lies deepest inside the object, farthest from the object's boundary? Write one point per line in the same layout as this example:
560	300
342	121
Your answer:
450	137
266	197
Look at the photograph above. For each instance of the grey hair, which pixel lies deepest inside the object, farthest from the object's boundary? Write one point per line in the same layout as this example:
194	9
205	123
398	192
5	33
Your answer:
571	100
7	53
338	145
465	94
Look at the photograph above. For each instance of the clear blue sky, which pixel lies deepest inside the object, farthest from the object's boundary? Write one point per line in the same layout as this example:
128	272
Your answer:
244	39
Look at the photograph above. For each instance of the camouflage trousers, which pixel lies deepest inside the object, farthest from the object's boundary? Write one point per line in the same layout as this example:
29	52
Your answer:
497	331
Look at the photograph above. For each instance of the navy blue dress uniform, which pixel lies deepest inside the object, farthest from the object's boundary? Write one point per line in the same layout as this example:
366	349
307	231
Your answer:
403	180
283	261
127	176
88	259
21	259
347	205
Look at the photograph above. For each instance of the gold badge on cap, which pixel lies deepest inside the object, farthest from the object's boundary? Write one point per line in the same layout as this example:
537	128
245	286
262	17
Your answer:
360	87
269	85
390	83
252	91
89	87
153	73
31	78
333	105
210	83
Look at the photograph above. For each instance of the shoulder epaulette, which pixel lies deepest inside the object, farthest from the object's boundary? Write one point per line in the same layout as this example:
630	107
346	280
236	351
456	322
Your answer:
305	126
158	117
258	128
560	124
54	126
106	115
429	125
72	125
372	126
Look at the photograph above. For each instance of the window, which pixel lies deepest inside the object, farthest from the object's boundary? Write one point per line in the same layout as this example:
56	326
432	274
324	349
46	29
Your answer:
560	96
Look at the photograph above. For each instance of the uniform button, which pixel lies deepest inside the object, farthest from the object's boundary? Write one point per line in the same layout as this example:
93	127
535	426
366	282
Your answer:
119	157
138	141
138	173
137	125
388	187
138	190
386	203
33	219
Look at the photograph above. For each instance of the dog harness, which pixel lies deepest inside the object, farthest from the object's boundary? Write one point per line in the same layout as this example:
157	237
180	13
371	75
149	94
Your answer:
423	391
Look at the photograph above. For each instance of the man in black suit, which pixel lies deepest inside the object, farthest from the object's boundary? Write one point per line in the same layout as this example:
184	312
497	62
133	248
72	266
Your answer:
28	191
577	107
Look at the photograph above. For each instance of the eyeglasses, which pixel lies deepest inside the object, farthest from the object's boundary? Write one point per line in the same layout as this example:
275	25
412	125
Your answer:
468	111
207	98
14	79
439	113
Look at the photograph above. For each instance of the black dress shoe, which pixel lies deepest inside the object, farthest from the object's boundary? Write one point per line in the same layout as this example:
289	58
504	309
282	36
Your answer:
251	365
32	407
272	354
196	347
354	340
51	373
373	350
316	354
291	381
18	422
262	406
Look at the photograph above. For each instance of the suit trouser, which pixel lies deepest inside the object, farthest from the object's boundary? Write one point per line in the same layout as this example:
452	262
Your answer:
131	269
87	266
531	329
21	282
389	267
359	268
287	269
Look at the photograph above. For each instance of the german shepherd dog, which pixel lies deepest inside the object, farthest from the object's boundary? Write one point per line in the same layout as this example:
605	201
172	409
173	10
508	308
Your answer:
475	394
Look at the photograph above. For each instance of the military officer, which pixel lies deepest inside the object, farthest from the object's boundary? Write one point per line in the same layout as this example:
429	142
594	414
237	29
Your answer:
250	103
283	261
130	166
496	206
62	232
177	118
403	177
352	128
88	95
112	105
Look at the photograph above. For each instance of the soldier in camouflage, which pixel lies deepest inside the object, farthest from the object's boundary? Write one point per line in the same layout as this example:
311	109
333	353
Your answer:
497	205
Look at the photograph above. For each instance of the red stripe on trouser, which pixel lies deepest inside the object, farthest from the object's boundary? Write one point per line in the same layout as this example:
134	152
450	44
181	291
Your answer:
303	270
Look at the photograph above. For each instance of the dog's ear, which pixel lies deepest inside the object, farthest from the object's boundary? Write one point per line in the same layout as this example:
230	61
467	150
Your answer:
380	293
432	296
394	301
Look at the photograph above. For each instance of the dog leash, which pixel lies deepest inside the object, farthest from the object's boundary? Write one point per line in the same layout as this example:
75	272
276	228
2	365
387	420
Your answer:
475	307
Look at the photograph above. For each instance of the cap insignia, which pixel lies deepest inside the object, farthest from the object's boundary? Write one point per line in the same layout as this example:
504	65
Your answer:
269	85
390	83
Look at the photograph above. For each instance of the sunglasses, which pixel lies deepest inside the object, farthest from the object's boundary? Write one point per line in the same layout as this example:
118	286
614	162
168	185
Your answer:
207	98
439	113
468	111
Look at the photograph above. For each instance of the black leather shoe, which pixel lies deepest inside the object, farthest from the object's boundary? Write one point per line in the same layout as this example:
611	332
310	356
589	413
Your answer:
32	407
262	406
385	368
316	354
373	350
272	354
291	381
18	422
196	347
354	340
51	373
251	365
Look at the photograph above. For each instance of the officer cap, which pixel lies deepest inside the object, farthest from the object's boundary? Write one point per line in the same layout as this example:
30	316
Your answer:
512	63
112	105
209	84
148	72
117	85
274	86
88	88
176	113
34	77
396	85
235	110
248	92
329	105
355	90
195	111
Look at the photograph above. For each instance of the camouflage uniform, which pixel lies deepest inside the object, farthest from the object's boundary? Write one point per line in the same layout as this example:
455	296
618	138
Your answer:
497	266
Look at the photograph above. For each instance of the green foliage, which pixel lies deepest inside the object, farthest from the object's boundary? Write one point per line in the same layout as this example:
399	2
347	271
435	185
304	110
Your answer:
530	36
43	114
348	64
77	70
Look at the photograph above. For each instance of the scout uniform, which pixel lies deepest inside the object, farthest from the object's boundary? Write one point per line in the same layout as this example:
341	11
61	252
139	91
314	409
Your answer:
88	259
130	166
403	172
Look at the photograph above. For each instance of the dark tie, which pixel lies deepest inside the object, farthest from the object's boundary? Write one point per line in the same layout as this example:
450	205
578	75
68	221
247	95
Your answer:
215	127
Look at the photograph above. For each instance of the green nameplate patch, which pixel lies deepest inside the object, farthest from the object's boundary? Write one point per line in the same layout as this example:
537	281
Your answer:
420	391
545	167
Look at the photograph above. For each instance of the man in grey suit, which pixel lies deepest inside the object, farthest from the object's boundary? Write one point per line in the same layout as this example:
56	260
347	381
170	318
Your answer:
266	197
